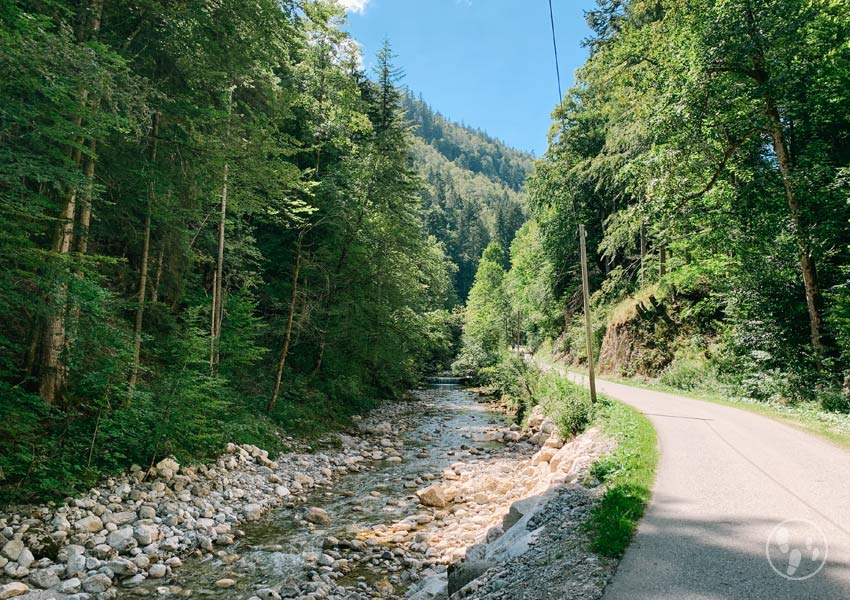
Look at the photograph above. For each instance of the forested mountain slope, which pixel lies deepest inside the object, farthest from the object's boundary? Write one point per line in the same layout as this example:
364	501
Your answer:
211	230
706	148
474	191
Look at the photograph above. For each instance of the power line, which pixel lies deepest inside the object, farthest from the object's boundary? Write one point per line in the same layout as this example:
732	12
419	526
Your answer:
555	45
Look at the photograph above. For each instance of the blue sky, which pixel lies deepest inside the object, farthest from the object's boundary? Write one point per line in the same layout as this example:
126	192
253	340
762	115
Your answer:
486	63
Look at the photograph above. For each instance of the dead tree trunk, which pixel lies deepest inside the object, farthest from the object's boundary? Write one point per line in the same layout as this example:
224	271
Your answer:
218	300
281	363
143	268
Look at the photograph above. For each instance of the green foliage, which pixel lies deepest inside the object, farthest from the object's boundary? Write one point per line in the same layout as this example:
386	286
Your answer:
119	137
473	189
487	319
514	380
671	149
628	474
567	404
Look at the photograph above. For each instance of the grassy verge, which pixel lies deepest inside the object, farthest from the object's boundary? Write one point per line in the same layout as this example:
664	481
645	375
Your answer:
628	472
806	416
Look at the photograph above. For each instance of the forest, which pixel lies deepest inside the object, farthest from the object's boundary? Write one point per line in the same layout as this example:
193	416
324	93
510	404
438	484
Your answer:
218	226
215	229
706	147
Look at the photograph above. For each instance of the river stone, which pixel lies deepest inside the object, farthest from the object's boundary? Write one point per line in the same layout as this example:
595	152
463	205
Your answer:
253	512
267	594
122	539
25	559
318	516
90	524
44	578
75	563
120	518
157	571
146	534
147	512
460	574
282	491
134	581
434	496
71	586
60	522
167	468
11	590
12	549
122	567
97	583
225	583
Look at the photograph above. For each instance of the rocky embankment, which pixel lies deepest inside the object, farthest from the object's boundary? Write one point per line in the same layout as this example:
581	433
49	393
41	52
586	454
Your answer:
473	529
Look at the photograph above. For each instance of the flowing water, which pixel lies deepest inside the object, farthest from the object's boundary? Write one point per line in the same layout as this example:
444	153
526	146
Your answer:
273	551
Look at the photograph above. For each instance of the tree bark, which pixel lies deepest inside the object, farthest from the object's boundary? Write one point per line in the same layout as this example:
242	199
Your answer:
85	211
807	263
53	372
288	335
219	275
218	302
143	268
158	277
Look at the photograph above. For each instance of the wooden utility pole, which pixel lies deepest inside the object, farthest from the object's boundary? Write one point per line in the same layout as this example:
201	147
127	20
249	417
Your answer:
585	286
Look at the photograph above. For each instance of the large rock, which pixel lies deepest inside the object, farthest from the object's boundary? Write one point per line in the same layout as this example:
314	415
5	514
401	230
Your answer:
435	496
12	549
253	512
146	534
25	559
318	516
71	586
167	468
120	518
97	583
518	510
75	561
460	574
11	590
121	540
44	578
90	524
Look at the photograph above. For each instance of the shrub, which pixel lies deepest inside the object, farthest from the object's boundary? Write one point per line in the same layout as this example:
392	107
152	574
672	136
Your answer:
567	404
514	380
835	400
688	373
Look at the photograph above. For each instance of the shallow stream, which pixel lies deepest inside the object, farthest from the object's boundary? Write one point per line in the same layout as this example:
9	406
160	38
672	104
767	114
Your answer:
275	551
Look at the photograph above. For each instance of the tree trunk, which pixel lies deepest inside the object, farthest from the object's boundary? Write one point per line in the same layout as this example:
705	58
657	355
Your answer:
807	263
85	212
219	276
662	260
814	301
288	336
143	269
52	376
218	300
158	277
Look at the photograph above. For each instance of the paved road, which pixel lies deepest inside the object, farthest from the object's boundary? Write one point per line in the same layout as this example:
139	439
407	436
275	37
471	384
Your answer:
726	479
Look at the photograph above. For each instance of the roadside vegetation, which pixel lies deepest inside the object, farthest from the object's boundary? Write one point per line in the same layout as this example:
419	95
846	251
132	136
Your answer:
628	474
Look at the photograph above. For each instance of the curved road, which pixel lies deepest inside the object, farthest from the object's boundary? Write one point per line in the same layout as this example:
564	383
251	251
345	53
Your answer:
726	480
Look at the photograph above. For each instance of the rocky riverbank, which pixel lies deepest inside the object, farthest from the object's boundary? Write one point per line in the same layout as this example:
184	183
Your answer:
137	527
477	523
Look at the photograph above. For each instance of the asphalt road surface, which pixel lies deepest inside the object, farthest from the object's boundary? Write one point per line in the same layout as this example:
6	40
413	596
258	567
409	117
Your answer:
743	507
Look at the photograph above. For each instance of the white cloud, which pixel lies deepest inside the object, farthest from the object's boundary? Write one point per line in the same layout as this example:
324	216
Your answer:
357	6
